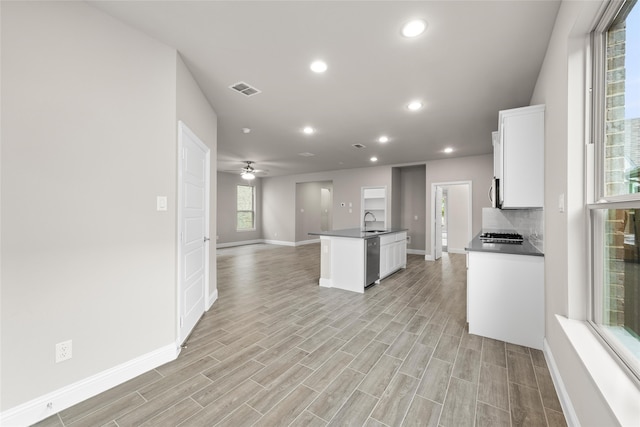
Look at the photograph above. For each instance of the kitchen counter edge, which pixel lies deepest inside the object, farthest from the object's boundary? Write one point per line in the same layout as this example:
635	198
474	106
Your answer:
526	248
356	233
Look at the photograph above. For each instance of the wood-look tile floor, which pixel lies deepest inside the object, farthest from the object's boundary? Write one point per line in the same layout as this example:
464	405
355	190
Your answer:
278	350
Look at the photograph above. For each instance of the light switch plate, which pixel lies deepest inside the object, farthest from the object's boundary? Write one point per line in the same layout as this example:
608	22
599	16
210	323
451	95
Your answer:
561	203
161	203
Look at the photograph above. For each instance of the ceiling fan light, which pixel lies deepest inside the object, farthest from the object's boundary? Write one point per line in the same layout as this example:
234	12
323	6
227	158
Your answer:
248	176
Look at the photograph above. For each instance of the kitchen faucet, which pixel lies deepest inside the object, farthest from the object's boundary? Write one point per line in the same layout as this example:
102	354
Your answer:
364	219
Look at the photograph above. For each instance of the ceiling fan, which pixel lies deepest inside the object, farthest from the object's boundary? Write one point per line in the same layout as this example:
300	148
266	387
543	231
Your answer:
249	172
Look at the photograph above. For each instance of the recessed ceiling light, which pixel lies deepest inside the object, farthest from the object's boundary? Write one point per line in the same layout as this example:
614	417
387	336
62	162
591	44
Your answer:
374	159
246	130
383	139
414	105
308	130
318	66
414	28
448	150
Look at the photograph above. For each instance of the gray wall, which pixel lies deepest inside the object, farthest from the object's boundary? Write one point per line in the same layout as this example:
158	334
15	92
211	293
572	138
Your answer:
227	233
89	139
279	199
565	244
477	169
409	185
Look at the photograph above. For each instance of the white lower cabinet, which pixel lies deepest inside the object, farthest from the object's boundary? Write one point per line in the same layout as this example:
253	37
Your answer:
393	253
505	297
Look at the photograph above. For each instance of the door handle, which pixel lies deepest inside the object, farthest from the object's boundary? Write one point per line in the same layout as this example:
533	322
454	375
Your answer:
206	239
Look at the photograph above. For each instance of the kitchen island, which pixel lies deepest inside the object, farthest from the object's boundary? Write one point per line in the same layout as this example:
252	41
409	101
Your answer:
343	256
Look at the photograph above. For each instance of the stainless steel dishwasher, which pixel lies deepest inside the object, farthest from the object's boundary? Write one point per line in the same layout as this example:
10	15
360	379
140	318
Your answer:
372	261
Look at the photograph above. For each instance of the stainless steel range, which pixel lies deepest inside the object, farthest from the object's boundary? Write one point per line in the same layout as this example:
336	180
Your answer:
490	237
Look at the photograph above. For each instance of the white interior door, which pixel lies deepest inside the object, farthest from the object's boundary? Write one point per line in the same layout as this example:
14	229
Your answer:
193	229
437	215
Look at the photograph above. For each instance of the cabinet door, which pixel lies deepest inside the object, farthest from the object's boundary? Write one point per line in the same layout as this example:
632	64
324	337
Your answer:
522	144
384	260
403	253
396	256
505	295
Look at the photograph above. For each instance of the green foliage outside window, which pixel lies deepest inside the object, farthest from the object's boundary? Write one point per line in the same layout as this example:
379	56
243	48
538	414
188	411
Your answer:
245	208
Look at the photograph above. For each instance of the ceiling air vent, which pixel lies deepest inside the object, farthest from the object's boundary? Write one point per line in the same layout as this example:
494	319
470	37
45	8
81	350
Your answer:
359	146
244	89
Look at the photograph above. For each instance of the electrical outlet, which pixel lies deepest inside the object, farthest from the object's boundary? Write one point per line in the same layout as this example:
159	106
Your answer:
63	351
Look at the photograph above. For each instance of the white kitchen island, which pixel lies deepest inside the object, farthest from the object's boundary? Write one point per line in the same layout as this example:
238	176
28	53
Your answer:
342	256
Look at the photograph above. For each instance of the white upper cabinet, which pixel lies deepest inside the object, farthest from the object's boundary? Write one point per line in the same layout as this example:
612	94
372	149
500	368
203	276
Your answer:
374	200
521	157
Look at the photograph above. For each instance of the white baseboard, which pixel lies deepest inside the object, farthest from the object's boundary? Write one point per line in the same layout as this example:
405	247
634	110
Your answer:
307	242
563	396
279	242
240	243
416	251
428	257
268	242
51	403
325	283
212	298
456	251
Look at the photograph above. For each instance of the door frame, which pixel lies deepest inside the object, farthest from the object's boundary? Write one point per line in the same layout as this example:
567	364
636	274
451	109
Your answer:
434	185
183	130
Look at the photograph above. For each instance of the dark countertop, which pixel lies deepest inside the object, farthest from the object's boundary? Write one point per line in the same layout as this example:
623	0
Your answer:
357	233
526	248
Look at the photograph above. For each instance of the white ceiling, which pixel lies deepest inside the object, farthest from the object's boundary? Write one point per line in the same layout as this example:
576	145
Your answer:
476	58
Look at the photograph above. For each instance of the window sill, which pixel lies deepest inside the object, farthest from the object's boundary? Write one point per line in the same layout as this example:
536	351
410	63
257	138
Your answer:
618	390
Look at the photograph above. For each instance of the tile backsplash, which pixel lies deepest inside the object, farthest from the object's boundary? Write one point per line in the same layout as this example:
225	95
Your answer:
528	222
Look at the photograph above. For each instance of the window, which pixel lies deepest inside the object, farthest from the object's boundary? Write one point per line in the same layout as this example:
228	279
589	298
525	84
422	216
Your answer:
245	211
615	211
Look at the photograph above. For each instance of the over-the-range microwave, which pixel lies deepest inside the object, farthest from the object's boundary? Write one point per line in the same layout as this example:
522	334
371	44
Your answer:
494	193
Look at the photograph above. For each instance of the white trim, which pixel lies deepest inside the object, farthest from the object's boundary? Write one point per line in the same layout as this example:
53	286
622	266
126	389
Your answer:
279	242
428	257
212	298
618	390
266	242
325	283
307	242
456	251
416	251
239	243
38	409
563	396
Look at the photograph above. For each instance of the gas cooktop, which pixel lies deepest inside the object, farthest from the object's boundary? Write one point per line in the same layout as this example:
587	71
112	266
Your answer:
490	237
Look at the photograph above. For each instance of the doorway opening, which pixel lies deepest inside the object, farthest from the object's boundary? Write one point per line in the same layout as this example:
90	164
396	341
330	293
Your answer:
451	218
445	213
314	202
